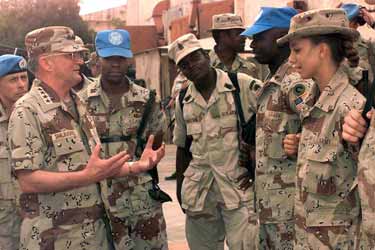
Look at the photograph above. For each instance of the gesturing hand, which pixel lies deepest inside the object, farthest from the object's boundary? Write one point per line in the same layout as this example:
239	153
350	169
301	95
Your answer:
99	169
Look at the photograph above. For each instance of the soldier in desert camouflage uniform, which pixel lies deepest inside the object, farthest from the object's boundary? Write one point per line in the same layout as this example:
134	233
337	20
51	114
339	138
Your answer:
51	137
327	205
279	102
226	30
117	106
13	84
357	16
211	193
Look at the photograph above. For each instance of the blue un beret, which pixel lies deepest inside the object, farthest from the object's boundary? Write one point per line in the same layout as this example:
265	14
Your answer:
270	18
113	43
351	9
10	64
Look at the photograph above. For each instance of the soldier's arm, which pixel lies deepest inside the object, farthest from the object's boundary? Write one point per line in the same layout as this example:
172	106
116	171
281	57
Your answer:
290	144
28	159
183	155
355	126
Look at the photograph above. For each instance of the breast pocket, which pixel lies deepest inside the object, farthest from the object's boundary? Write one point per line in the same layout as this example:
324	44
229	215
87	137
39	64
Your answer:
275	129
67	142
320	170
191	186
194	129
229	132
5	169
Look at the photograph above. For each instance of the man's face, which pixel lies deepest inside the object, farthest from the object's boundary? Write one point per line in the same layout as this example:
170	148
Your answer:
66	66
264	46
232	39
195	66
114	68
13	86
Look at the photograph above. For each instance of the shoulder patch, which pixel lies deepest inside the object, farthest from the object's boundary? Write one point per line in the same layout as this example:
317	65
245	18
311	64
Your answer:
299	89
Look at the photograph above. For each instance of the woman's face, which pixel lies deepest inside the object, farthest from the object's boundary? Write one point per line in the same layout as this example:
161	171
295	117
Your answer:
305	57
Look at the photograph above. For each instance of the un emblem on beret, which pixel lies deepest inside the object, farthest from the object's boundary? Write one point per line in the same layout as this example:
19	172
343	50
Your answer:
22	64
115	38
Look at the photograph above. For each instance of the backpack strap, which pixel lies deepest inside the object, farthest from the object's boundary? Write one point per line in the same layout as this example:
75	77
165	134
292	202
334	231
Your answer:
237	99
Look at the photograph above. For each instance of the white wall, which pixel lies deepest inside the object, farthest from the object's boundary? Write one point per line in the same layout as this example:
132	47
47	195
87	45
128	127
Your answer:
139	12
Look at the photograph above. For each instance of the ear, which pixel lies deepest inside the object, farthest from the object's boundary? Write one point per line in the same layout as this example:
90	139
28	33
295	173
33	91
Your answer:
324	50
45	63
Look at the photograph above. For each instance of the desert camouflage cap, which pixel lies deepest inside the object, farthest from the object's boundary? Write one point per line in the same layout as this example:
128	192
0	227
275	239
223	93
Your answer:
183	46
52	39
319	22
226	21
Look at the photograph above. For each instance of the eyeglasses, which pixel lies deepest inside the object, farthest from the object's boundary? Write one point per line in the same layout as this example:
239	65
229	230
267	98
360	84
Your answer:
75	56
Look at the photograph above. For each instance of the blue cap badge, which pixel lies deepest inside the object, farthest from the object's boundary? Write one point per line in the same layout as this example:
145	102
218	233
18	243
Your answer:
113	43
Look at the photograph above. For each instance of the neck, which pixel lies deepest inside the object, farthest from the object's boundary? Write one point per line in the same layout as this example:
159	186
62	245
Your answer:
60	87
278	60
225	55
7	105
115	87
206	84
325	74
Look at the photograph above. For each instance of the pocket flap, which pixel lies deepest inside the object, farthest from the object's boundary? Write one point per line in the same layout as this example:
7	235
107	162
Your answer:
193	128
67	142
229	122
322	154
235	173
193	174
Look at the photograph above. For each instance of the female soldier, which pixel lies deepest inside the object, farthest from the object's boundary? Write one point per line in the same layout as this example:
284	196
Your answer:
327	206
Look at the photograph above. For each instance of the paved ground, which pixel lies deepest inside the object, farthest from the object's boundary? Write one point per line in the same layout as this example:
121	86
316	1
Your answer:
172	212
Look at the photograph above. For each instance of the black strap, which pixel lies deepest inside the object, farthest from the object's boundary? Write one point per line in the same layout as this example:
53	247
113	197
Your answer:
115	138
371	57
369	96
181	96
237	99
146	114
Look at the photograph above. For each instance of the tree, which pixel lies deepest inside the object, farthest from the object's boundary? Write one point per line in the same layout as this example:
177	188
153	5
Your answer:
18	17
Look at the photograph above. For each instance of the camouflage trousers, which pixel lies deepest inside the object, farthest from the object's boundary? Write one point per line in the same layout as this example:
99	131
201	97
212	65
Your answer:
39	234
10	223
278	236
207	229
343	237
137	221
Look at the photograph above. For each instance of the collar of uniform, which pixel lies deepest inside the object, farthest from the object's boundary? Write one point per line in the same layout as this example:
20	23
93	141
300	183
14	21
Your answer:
284	69
238	62
46	96
331	93
223	84
277	78
215	60
3	115
94	89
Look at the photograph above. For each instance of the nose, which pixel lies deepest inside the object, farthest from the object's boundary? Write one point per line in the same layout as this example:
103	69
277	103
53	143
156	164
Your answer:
292	58
22	83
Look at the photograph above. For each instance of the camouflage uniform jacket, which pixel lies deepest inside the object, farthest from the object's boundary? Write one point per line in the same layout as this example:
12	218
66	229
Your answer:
365	49
122	119
239	65
7	191
366	182
279	103
326	168
46	134
213	126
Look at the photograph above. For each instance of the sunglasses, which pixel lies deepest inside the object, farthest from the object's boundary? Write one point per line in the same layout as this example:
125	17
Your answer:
75	56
